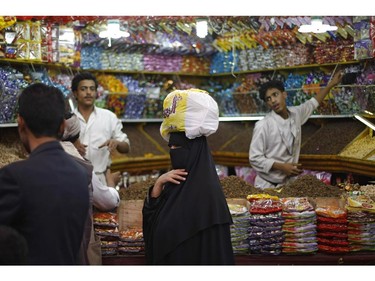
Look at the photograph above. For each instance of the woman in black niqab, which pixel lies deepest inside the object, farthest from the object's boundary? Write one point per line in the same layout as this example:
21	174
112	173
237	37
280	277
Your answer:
189	223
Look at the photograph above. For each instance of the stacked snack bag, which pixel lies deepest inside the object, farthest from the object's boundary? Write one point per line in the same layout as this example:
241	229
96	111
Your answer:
332	225
239	228
131	242
299	226
266	224
106	228
361	222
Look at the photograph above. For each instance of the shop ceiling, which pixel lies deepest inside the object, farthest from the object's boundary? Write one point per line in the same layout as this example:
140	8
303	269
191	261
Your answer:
217	25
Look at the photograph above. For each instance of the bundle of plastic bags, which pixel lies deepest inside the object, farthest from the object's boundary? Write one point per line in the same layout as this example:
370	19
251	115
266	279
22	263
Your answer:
191	111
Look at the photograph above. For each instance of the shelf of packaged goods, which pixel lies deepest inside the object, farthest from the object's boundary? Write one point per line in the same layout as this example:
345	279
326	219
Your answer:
38	62
282	68
61	65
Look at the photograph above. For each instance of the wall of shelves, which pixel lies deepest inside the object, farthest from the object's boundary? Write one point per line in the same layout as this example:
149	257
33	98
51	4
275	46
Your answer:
200	81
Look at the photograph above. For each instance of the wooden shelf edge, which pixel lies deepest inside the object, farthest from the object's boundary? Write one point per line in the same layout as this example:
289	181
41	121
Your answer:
327	163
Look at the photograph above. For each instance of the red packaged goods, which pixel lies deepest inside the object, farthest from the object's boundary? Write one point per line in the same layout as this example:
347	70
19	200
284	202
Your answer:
105	219
331	227
131	235
332	220
333	242
331	234
331	249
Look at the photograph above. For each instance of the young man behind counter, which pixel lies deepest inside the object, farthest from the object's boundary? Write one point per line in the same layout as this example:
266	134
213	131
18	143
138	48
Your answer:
276	141
101	130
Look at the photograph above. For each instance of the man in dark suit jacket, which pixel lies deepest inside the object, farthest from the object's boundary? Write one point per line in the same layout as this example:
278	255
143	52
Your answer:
45	197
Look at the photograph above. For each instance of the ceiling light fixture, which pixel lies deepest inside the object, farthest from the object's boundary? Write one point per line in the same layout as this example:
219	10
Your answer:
201	28
316	26
113	31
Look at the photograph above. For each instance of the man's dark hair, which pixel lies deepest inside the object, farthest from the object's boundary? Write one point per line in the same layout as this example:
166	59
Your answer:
83	76
43	109
273	84
13	246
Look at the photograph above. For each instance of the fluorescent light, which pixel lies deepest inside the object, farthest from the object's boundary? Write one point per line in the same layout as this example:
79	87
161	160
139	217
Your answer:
365	121
316	26
201	28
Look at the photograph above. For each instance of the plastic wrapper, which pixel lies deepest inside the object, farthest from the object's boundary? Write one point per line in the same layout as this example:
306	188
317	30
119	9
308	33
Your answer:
298	222
265	206
305	228
130	250
192	111
330	207
105	219
259	229
299	215
333	242
296	204
131	235
295	235
108	244
253	197
332	227
332	220
262	241
266	235
333	249
109	251
361	226
237	209
332	235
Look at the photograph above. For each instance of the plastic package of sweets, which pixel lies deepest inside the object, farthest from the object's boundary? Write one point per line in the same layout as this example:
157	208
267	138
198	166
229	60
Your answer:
191	111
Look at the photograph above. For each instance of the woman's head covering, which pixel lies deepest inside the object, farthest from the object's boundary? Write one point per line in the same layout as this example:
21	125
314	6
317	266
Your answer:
72	128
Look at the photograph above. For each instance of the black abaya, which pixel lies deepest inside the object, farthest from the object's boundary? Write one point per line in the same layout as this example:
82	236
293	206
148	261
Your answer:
189	223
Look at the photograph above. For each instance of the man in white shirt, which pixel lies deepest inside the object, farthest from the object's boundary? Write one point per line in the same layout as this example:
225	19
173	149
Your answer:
101	130
105	197
276	141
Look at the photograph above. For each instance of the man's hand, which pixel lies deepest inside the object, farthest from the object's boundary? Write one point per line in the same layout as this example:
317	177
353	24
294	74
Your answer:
290	169
80	147
111	144
112	178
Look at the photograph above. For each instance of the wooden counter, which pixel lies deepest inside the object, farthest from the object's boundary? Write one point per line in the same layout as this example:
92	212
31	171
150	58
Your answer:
326	163
358	258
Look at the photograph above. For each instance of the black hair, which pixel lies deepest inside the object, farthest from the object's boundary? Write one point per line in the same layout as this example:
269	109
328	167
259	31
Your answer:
68	115
273	84
83	76
43	109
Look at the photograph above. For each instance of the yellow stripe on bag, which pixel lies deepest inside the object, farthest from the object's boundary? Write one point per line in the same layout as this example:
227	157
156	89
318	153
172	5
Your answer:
174	108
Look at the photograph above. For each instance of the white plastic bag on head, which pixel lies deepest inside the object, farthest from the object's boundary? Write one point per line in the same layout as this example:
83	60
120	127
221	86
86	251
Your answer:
191	111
